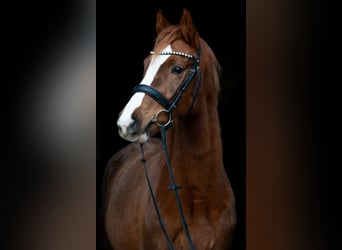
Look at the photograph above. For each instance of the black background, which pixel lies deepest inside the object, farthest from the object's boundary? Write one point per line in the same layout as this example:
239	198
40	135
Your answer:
128	38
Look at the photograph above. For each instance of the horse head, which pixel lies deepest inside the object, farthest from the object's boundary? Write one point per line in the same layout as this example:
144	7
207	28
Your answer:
170	82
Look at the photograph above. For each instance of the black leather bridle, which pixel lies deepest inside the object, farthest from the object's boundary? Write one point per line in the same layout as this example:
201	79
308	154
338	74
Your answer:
161	99
169	107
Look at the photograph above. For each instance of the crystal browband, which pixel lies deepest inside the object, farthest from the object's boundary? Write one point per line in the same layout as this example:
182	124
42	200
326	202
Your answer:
177	53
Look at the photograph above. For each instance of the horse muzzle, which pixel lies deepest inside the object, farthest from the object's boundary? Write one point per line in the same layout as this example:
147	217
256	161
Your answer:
131	130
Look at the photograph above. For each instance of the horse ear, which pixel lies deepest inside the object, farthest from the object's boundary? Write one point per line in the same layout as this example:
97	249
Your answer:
188	29
161	22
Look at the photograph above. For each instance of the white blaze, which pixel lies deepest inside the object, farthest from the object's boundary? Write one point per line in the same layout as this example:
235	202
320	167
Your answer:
125	119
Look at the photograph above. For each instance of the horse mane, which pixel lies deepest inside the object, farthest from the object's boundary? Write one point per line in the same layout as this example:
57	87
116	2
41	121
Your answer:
207	57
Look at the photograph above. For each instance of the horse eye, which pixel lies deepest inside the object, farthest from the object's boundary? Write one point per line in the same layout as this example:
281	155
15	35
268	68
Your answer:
177	70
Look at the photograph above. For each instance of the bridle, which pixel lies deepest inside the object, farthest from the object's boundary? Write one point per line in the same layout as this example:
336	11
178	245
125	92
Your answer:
169	107
161	99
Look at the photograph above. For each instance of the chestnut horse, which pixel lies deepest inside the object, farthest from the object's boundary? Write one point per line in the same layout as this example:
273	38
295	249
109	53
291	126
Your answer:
168	188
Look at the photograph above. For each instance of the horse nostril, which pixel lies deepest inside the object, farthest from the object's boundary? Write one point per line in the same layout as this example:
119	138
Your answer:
133	127
120	129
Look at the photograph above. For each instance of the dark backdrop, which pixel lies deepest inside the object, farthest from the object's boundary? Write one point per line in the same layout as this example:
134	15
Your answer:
127	35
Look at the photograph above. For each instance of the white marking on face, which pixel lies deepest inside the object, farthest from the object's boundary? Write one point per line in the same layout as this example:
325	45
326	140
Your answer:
125	119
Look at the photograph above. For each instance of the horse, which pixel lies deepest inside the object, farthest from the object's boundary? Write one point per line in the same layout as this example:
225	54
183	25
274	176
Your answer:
168	188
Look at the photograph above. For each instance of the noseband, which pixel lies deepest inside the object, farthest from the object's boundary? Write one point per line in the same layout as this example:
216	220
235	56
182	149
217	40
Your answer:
161	99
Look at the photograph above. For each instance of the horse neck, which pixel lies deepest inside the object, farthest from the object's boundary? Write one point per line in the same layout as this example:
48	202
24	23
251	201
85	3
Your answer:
194	143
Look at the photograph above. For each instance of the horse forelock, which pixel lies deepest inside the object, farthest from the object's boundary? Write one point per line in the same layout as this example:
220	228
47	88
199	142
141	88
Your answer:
165	38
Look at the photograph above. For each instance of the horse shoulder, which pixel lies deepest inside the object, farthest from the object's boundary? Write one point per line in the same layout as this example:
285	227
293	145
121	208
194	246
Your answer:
116	162
126	161
124	193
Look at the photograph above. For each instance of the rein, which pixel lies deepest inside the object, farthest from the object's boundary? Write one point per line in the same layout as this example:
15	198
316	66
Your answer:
169	107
